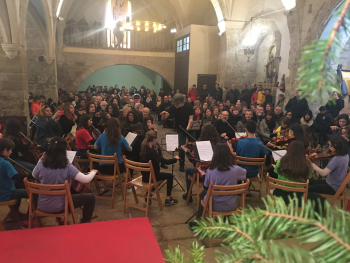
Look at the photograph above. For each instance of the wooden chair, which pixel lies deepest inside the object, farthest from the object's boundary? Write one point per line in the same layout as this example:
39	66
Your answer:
12	214
194	180
287	186
54	190
224	190
152	184
258	179
115	179
341	194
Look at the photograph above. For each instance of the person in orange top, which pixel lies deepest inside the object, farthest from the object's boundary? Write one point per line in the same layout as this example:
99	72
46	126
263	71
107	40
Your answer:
34	109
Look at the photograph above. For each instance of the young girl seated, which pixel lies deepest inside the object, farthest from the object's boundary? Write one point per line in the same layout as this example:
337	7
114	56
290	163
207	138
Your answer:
54	168
336	169
286	170
149	152
222	171
83	138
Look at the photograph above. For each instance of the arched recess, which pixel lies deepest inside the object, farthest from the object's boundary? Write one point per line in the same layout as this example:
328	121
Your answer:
166	73
127	75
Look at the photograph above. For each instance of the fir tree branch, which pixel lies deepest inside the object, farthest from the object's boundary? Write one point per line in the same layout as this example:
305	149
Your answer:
331	39
228	229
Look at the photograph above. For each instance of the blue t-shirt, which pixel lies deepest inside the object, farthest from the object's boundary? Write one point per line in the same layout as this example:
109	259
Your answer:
251	148
108	150
7	171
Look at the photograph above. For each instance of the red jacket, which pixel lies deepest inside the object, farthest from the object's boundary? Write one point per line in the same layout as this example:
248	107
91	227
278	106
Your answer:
254	97
35	108
193	93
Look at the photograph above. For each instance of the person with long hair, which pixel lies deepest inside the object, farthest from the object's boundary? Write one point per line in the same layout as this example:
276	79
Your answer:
267	126
222	171
96	116
112	142
124	113
209	133
336	169
12	131
83	138
68	119
113	110
54	168
298	133
149	152
307	118
47	125
287	170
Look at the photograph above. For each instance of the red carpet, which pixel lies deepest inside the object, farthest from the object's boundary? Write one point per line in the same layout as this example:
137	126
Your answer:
128	240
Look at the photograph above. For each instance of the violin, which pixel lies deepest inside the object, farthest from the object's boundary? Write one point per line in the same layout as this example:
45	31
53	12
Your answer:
95	132
33	154
235	140
80	187
321	156
188	145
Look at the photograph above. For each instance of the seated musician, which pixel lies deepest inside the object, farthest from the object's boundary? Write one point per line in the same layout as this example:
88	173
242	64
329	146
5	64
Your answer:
209	133
267	126
13	132
68	119
336	169
8	173
54	168
112	142
284	129
241	125
149	152
47	125
223	127
250	147
222	171
286	170
83	138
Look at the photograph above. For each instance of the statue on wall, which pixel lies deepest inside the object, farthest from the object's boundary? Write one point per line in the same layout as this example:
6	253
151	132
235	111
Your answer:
120	10
270	66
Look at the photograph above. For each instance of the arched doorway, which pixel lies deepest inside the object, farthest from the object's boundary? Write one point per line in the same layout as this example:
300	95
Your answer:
128	76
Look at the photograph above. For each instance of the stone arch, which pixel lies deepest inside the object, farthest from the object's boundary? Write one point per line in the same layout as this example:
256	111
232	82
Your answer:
165	73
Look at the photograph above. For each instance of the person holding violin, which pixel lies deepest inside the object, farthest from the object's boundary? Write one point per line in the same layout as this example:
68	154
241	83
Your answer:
287	170
149	152
250	147
83	138
47	125
13	132
209	133
68	119
267	126
54	168
8	173
284	129
335	171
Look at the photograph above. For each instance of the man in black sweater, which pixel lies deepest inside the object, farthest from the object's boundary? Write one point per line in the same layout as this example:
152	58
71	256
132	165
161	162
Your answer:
203	94
245	95
232	95
297	106
223	127
217	93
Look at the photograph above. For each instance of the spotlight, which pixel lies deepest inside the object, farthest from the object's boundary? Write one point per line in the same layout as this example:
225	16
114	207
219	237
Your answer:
146	29
146	24
173	30
137	23
138	29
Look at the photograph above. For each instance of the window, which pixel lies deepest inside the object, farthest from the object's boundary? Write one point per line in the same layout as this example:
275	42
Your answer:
183	44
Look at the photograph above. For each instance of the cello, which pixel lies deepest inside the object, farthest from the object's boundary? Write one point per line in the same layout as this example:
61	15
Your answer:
33	154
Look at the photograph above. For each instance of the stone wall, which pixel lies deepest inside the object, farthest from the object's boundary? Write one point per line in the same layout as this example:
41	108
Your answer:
42	78
79	63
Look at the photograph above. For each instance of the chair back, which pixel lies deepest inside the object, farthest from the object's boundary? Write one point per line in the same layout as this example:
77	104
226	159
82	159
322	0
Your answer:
141	167
341	192
96	158
252	162
224	190
49	189
287	186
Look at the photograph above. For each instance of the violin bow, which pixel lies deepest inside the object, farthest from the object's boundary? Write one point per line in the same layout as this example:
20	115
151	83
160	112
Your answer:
224	120
267	148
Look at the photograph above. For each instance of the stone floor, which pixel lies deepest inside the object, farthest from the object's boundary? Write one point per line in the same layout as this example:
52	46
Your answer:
168	225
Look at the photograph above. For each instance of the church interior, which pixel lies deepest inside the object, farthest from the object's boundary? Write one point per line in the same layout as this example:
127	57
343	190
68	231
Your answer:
183	100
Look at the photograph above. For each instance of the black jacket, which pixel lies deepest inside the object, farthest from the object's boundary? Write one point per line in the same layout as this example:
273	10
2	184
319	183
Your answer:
232	96
203	94
217	94
335	108
297	107
245	96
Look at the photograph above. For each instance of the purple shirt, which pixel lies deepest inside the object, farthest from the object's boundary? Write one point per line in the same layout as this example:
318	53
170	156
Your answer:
339	167
224	203
51	203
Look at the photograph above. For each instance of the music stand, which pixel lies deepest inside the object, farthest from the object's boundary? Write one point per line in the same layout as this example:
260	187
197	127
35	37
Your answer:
172	167
195	125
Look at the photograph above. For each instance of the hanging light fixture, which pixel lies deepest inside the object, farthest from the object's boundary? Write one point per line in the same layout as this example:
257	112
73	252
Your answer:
249	48
289	4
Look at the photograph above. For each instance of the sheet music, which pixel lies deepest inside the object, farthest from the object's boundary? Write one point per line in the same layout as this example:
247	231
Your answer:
205	151
130	137
70	156
281	153
240	134
172	141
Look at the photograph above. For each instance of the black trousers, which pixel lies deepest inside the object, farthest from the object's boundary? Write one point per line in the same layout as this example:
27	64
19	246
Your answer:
201	208
315	198
87	201
163	176
109	169
320	186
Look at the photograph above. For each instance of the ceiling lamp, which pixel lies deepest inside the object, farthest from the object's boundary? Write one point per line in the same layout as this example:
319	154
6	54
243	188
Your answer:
289	4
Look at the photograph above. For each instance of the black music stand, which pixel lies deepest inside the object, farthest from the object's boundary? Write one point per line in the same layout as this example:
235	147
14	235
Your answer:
172	168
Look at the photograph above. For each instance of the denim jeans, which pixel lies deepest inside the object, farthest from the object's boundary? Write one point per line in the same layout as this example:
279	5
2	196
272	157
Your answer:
182	141
18	194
